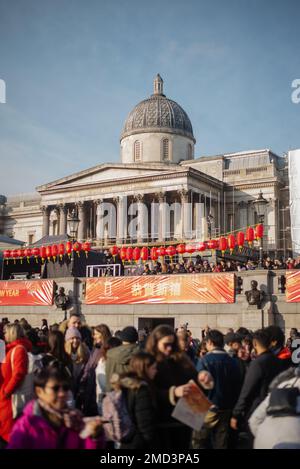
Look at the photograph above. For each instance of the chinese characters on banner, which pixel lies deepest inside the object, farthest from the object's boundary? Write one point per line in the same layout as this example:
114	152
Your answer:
26	293
211	288
292	286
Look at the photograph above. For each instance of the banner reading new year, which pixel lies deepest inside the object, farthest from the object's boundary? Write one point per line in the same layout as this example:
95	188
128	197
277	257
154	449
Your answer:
193	288
292	286
26	293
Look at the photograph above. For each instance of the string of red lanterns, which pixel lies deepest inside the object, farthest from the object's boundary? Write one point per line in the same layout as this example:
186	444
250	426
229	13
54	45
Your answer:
128	253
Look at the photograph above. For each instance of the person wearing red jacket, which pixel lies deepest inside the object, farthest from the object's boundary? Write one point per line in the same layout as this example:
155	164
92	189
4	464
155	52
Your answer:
12	374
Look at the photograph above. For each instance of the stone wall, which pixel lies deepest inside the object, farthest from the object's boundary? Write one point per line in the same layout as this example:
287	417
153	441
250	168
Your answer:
274	310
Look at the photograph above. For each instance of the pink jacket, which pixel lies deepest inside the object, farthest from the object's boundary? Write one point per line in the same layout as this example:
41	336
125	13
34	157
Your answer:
32	431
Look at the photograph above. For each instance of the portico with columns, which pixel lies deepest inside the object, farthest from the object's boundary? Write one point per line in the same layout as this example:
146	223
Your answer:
176	198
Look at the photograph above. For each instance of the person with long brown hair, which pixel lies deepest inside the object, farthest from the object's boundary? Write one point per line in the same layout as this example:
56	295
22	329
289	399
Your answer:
86	398
139	394
174	371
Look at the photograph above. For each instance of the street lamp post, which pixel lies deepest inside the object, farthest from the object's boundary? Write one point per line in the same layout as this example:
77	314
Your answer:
73	223
259	205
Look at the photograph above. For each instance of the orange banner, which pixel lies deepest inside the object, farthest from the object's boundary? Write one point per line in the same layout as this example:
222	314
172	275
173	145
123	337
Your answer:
189	288
292	286
26	293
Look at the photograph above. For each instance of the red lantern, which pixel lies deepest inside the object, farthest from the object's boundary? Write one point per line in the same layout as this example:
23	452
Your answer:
144	254
68	248
21	254
54	251
86	247
240	239
27	253
180	249
153	254
231	243
161	252
201	247
114	250
190	248
222	244
48	252
136	254
35	252
77	248
259	231
171	251
250	235
212	244
43	253
123	252
129	253
61	250
14	254
7	254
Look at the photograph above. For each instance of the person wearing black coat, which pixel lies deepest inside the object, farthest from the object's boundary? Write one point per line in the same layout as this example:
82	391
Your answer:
139	391
174	371
259	375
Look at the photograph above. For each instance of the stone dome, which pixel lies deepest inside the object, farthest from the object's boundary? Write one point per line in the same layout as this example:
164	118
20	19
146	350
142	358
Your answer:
158	114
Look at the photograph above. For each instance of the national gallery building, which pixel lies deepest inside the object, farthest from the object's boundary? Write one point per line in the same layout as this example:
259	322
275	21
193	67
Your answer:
159	180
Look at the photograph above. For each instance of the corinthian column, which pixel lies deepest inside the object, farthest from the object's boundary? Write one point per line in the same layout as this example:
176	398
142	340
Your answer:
82	223
161	216
46	221
121	203
99	220
62	219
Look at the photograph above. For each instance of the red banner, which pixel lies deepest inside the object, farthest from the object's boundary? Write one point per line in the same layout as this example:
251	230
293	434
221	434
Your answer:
26	293
292	286
189	288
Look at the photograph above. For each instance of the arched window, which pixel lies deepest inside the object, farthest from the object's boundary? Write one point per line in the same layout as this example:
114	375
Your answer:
189	151
165	149
137	151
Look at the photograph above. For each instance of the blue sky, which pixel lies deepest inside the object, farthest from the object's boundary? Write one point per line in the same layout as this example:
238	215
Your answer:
74	70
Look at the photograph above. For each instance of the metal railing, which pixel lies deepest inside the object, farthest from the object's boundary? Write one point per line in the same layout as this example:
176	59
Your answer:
103	270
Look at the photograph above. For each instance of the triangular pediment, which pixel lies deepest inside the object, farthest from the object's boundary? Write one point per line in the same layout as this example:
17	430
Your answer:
109	172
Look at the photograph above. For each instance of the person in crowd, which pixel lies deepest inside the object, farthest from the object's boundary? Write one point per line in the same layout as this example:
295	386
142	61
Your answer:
228	382
275	423
56	352
233	344
202	351
118	358
100	372
184	343
12	374
54	327
86	398
75	321
139	393
294	334
78	351
260	373
172	381
48	423
277	346
44	326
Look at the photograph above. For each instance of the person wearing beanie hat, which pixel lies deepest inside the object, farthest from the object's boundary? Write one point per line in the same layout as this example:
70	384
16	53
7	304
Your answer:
118	358
72	333
78	352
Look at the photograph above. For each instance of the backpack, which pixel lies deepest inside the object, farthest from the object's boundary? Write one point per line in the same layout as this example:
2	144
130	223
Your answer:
284	402
118	426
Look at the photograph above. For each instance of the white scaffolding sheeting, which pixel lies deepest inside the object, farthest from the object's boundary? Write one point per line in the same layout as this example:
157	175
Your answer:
294	180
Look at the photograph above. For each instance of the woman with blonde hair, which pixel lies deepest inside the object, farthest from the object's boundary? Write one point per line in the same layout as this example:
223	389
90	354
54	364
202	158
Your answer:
79	354
12	373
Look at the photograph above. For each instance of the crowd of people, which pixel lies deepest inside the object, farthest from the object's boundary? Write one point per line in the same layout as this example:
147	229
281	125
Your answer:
71	386
200	265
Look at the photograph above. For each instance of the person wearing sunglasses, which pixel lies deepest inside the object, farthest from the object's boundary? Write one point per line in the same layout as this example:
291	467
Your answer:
47	421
